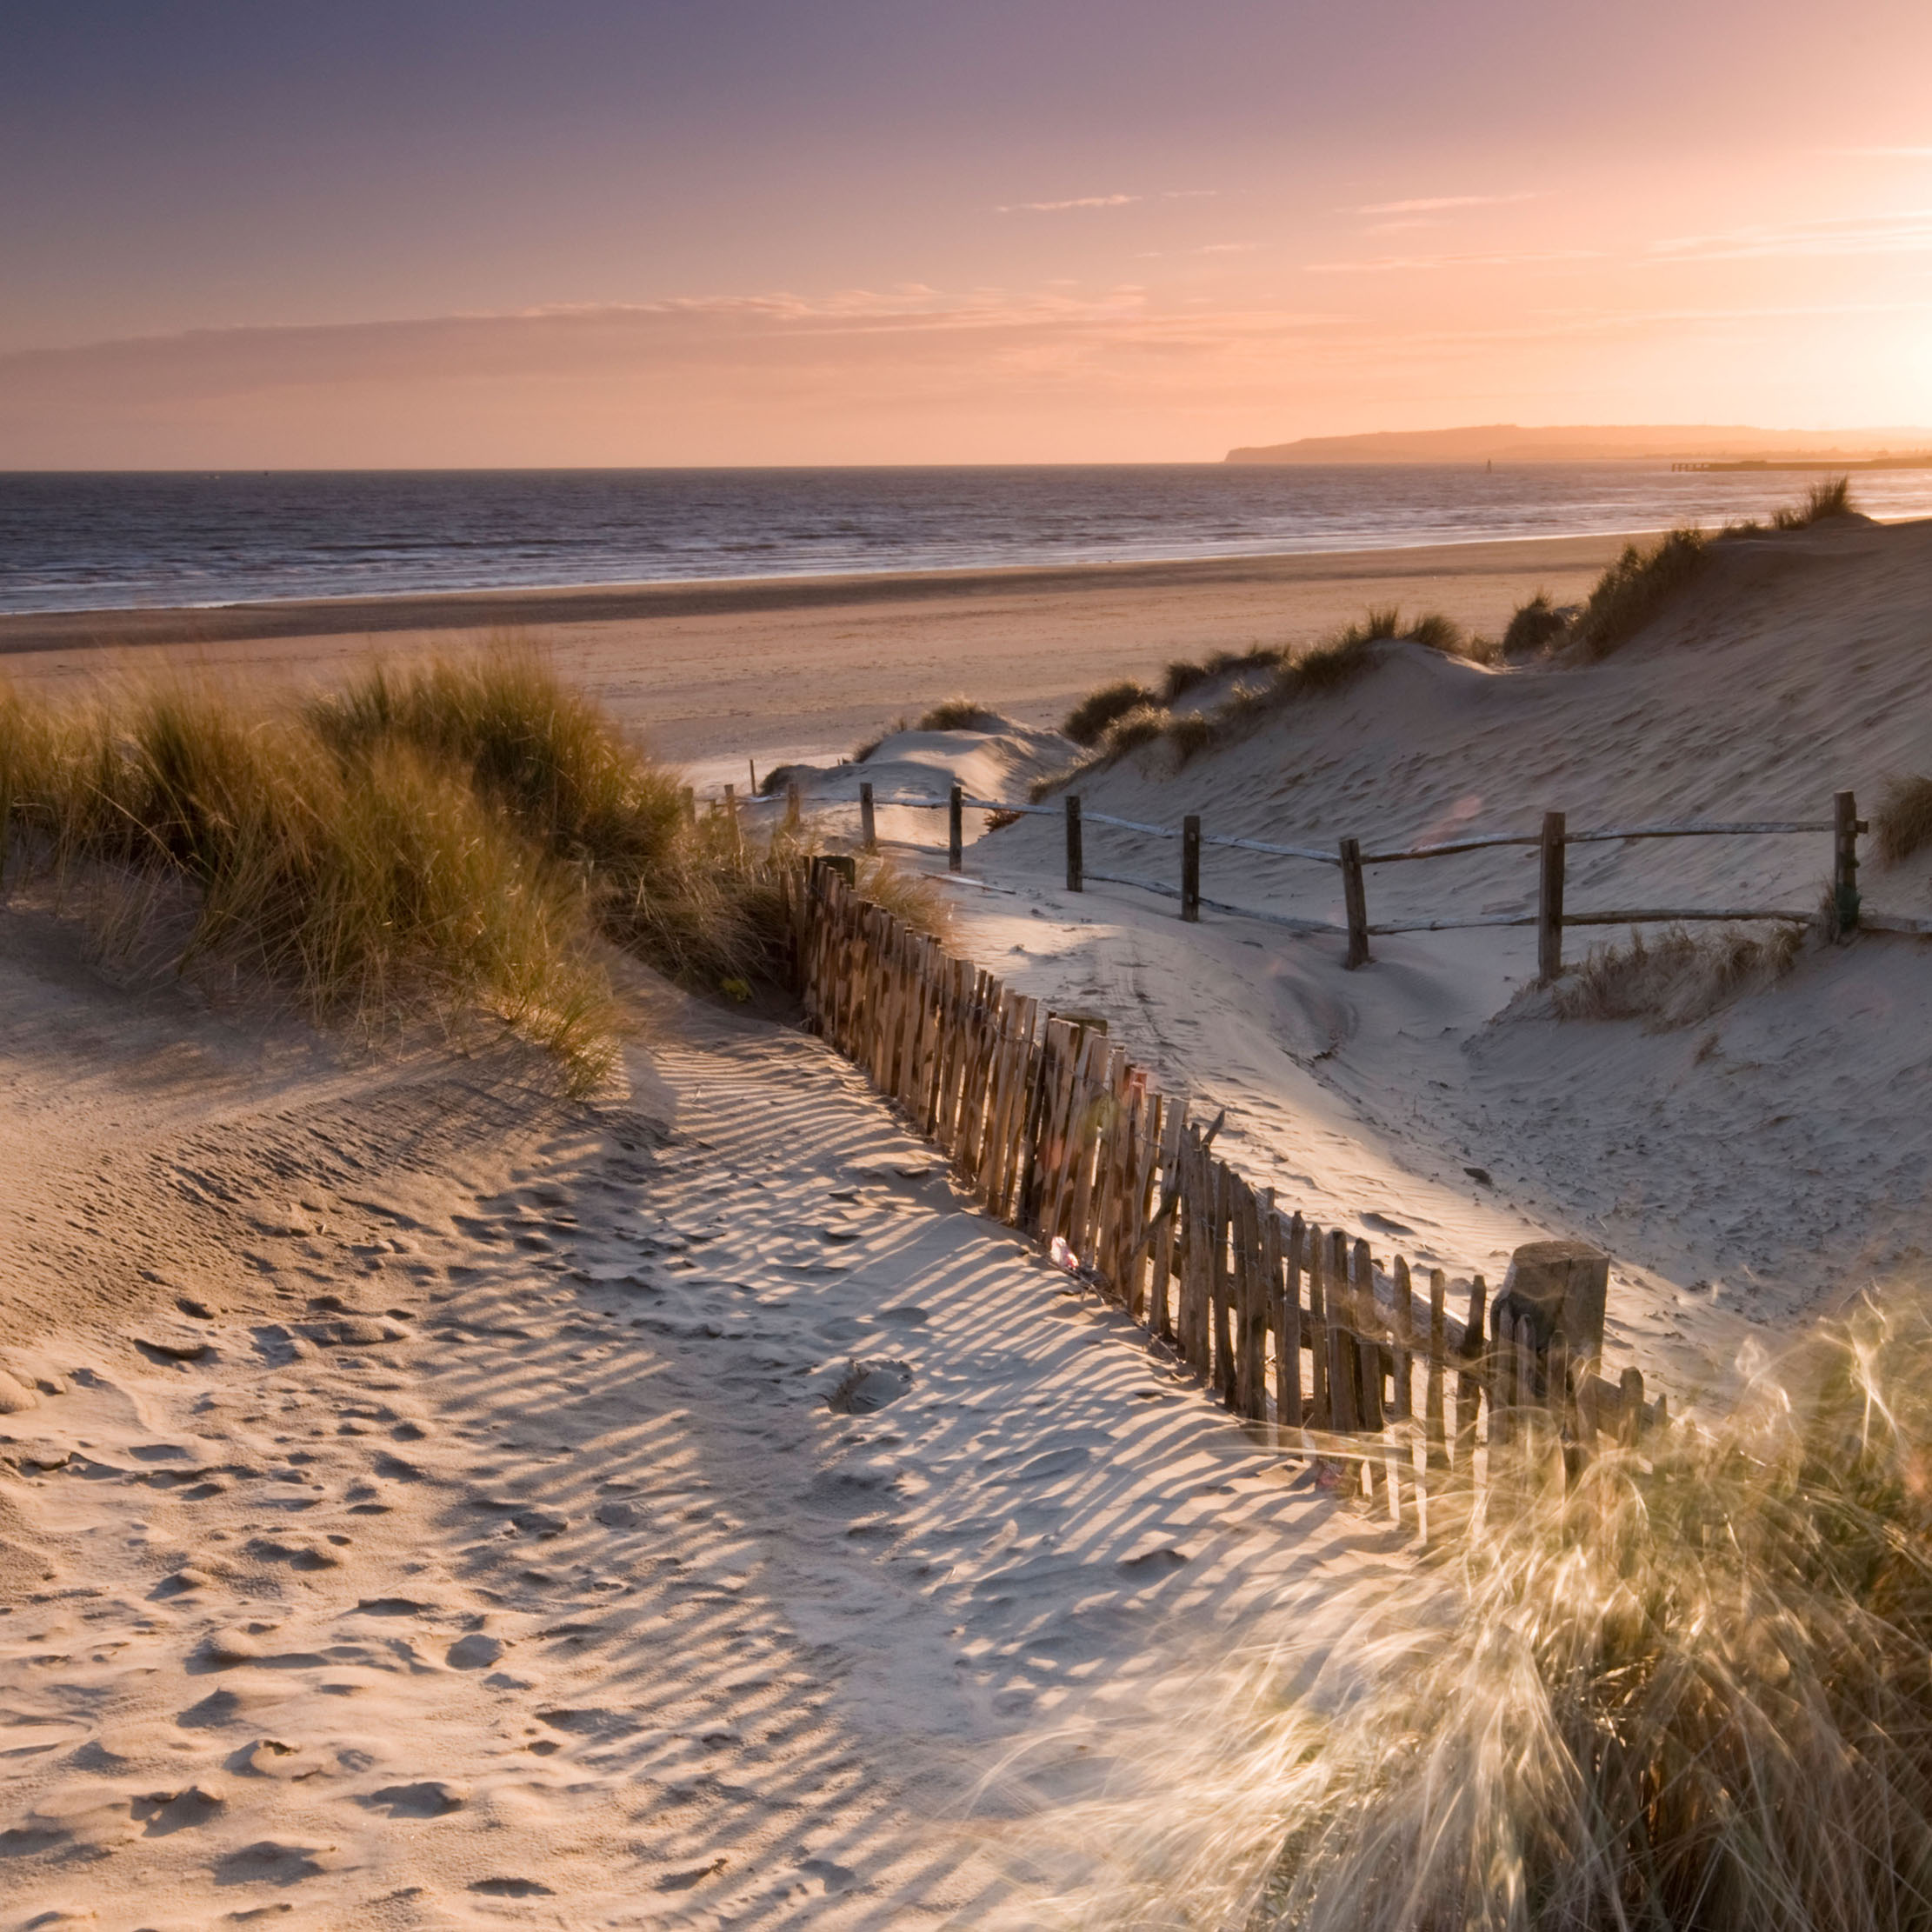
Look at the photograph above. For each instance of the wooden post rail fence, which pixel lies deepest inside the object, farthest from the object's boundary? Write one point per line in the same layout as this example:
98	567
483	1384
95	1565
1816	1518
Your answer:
1055	1132
1551	917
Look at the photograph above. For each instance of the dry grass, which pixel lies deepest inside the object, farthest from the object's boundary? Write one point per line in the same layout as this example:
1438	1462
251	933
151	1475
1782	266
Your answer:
367	887
1089	721
1535	627
1635	589
960	714
1825	500
1192	733
687	898
1132	718
1435	632
1676	979
1181	676
1680	1691
456	840
916	902
1903	824
865	752
1140	726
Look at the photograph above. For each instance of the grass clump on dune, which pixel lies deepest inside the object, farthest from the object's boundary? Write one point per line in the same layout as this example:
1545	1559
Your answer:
459	838
685	897
1683	1690
960	714
1903	821
1677	979
1535	627
362	885
1825	500
1635	589
1089	721
1182	675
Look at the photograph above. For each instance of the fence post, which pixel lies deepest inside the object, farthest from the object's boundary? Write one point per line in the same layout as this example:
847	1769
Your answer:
731	815
689	799
791	806
868	829
1844	861
1549	900
1076	864
1356	898
956	828
1191	869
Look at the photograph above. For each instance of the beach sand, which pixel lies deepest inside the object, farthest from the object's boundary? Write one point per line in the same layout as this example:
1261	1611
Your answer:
795	667
426	1503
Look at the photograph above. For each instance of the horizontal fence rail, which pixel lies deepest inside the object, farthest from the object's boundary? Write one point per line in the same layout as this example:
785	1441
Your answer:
1058	1134
1841	910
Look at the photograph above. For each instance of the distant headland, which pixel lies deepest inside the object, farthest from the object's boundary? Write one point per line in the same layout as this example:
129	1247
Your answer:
1699	443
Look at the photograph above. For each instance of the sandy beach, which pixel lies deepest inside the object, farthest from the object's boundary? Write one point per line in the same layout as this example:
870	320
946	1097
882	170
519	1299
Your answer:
428	1501
797	667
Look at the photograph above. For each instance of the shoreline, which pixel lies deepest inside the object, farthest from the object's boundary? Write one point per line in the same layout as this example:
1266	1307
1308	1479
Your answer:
522	605
790	669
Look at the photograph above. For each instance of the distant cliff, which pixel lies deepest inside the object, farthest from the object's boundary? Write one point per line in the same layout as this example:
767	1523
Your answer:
1616	442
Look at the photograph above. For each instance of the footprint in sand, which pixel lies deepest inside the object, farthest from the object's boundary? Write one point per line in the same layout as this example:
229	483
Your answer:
866	1386
267	1861
165	1812
477	1651
429	1798
269	1757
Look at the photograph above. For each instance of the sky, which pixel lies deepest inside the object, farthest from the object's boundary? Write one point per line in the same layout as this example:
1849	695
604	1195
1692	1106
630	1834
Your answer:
461	232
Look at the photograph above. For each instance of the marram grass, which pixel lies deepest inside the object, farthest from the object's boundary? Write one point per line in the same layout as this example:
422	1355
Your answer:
1684	1691
461	838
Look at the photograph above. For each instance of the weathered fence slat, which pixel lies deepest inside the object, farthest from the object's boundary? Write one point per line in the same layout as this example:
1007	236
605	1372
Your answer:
1051	1128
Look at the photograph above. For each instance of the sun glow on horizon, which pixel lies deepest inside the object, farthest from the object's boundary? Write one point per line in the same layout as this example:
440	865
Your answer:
946	252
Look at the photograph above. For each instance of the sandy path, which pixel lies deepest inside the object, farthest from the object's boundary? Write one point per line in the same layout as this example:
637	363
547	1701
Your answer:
800	667
490	1555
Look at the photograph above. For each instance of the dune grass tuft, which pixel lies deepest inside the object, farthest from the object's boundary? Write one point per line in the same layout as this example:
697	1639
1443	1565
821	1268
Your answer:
1681	1689
1635	589
1192	733
1140	726
1534	628
865	752
1677	979
1903	824
1435	632
687	898
1829	497
960	714
1089	720
364	886
456	838
1183	676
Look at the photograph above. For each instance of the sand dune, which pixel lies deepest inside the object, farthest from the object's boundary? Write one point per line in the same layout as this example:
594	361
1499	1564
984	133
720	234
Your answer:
426	1503
1742	1171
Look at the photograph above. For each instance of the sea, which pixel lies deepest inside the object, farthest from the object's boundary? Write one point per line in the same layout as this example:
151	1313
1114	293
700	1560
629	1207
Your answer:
72	541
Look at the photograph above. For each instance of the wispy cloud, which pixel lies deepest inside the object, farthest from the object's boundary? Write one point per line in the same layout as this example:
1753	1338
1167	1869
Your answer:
1060	207
1210	247
1102	200
1902	231
1433	204
1384	265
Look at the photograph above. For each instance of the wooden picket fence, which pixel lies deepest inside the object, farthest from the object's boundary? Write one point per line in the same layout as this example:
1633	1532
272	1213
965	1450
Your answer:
1057	1133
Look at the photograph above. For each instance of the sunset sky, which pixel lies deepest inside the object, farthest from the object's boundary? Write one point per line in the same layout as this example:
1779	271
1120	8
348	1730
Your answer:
609	231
